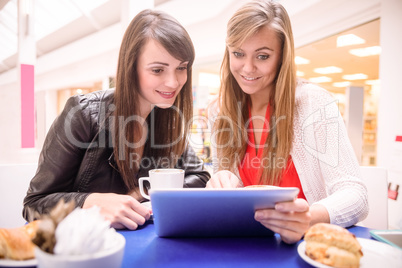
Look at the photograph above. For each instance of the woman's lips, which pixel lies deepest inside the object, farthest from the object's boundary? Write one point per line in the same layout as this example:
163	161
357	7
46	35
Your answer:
249	78
166	94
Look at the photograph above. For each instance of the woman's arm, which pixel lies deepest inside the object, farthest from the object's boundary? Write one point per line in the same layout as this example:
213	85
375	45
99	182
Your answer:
59	161
195	175
331	173
60	164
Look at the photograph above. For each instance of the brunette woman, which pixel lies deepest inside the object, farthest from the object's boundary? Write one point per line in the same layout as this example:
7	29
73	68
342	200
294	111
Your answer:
103	142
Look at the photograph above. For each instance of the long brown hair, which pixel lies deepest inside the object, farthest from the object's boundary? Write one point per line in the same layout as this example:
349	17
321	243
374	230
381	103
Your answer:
247	21
167	133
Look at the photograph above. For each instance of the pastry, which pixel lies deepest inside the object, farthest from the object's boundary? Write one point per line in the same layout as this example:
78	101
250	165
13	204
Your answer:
333	245
16	243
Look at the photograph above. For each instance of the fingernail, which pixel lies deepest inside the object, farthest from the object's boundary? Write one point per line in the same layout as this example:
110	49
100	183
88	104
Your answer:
257	215
278	206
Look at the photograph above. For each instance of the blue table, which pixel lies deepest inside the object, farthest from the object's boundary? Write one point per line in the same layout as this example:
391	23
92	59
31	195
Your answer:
145	249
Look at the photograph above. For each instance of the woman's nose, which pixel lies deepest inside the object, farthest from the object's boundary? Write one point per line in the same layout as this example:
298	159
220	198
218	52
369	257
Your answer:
248	66
172	81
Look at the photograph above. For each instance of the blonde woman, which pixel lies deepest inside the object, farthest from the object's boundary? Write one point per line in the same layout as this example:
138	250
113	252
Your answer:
101	144
269	128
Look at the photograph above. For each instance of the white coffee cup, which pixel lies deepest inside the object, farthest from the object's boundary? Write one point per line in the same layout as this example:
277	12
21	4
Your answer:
162	178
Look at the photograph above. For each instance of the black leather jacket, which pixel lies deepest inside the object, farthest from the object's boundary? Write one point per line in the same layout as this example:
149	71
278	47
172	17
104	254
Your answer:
77	157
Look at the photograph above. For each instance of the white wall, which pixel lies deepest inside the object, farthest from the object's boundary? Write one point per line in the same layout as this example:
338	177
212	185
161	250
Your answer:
389	152
14	183
390	103
354	118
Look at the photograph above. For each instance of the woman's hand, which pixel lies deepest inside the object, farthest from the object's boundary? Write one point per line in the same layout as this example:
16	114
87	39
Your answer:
123	211
289	219
224	179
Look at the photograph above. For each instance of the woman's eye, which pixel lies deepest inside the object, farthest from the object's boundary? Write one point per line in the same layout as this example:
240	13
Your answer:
237	54
182	68
263	57
157	71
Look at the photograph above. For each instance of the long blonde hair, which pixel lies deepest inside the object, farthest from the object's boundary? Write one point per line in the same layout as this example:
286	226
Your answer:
233	112
169	127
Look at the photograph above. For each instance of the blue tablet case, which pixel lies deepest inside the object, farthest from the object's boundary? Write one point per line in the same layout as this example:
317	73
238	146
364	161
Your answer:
214	212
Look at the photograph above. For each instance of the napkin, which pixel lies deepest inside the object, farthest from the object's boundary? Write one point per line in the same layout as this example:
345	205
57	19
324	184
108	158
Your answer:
83	231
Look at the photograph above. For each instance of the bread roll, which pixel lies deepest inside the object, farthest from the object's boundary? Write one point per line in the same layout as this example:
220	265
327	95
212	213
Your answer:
333	245
16	243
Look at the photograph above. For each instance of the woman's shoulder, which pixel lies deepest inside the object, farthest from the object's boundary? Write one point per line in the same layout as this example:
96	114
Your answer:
313	101
90	102
307	89
102	95
89	107
310	95
93	97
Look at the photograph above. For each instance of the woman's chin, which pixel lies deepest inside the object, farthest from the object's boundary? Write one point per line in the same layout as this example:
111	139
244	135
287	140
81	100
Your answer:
164	105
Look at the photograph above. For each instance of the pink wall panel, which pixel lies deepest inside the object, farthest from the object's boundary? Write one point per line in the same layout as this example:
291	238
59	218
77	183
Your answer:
27	106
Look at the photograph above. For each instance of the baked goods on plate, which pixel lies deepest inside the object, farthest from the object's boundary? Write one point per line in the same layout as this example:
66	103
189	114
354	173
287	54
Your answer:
16	243
333	245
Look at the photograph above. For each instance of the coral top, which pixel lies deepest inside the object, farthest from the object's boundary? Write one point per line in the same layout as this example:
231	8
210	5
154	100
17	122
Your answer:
250	168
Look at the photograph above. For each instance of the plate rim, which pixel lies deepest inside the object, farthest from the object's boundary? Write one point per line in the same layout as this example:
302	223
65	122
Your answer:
301	250
15	263
363	241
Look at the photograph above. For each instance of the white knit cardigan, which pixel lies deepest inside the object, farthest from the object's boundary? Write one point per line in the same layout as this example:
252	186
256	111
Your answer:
323	156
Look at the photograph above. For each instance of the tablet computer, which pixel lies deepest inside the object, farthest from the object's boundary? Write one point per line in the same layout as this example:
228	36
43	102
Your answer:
392	237
200	212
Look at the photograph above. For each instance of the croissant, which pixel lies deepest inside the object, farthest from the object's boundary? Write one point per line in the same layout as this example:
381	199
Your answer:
16	243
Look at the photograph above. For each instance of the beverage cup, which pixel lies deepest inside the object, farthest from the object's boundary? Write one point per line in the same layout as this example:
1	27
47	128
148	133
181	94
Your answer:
162	178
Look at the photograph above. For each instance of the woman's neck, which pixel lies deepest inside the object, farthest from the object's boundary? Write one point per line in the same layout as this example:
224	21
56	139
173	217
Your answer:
259	103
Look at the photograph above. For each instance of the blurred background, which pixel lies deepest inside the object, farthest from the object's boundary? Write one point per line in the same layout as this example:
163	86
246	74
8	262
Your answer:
67	47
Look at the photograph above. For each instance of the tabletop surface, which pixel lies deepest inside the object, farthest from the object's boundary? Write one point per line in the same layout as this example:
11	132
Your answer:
145	249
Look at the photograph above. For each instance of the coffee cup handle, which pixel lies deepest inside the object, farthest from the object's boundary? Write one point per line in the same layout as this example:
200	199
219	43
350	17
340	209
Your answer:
141	185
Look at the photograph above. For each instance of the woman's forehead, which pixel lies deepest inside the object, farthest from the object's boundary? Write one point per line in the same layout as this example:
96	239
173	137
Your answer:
154	52
265	37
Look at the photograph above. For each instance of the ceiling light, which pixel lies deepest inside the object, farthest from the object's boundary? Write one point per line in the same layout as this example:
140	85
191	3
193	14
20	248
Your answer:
299	73
321	79
300	60
355	76
366	51
373	82
328	70
341	84
348	40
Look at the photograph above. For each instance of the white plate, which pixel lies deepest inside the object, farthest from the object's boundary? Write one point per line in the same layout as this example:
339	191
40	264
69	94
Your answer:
13	263
375	254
